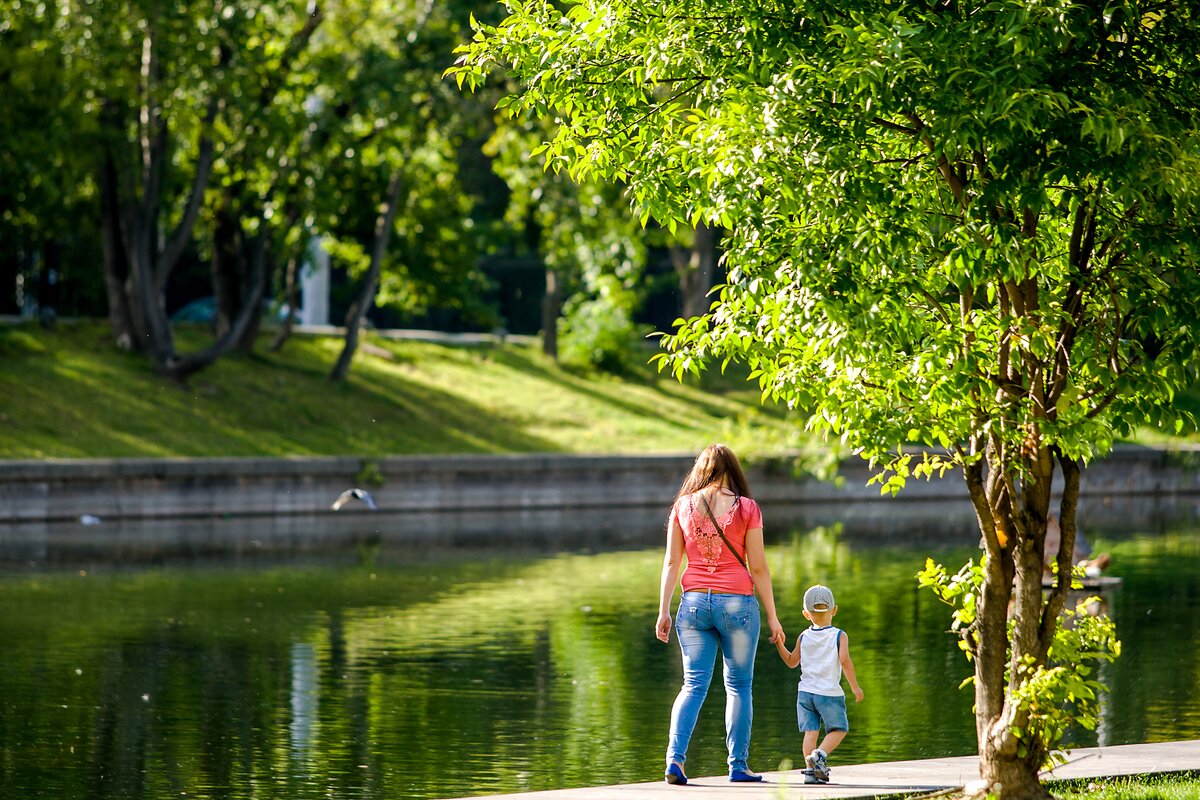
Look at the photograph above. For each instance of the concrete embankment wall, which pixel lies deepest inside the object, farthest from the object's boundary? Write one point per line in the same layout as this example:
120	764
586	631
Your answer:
161	488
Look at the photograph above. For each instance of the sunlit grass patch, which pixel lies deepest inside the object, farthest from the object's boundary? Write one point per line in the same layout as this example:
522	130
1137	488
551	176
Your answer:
1167	786
69	393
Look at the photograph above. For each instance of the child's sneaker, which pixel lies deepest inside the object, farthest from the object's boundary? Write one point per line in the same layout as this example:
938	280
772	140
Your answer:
819	763
809	778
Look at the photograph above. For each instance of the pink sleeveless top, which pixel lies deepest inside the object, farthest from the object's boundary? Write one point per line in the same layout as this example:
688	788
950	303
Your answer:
710	565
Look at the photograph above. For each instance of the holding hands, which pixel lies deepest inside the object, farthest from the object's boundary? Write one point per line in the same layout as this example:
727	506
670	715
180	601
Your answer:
662	629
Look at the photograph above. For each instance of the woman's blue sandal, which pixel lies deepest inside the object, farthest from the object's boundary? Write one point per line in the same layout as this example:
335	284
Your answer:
744	776
675	775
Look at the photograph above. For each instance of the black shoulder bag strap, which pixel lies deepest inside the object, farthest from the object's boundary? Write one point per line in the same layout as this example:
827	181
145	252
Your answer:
721	533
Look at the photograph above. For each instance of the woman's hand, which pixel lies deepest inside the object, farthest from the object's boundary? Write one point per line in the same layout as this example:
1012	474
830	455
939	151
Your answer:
662	629
777	634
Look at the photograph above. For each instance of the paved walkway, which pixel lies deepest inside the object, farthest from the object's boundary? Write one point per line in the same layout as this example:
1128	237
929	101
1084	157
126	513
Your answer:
871	780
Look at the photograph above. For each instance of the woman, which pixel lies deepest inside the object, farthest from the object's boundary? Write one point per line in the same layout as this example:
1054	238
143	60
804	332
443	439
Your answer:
725	566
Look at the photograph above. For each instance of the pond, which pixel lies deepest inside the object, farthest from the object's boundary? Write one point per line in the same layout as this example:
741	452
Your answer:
365	657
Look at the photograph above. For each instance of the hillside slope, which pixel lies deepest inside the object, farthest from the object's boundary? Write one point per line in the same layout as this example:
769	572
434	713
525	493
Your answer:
68	393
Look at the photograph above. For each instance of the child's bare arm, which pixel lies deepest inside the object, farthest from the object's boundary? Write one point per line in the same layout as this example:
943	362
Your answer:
848	667
790	657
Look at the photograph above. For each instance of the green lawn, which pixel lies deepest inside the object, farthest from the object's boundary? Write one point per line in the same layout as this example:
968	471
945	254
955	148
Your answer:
69	393
1163	786
1177	786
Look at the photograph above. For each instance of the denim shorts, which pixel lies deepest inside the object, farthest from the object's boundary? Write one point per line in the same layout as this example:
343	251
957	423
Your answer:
813	709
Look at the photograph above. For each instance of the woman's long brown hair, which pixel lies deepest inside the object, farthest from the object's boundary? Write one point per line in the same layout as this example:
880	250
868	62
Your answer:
717	464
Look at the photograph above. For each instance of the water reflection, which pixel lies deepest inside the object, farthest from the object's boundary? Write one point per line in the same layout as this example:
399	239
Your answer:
406	658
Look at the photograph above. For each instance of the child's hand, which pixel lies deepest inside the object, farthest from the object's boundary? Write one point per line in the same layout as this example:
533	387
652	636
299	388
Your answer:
858	694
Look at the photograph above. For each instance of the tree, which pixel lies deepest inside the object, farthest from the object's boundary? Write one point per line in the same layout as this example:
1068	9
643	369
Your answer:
189	129
959	225
47	209
156	105
590	244
159	117
229	134
252	219
392	121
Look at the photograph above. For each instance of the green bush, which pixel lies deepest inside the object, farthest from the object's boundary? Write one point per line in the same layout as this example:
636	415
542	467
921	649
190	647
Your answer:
1057	695
599	333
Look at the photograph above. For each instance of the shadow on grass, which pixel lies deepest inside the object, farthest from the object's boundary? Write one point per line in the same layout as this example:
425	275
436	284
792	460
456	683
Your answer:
585	384
462	426
69	399
72	394
414	416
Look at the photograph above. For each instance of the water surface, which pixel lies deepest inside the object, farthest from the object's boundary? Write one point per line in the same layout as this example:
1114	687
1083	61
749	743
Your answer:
383	661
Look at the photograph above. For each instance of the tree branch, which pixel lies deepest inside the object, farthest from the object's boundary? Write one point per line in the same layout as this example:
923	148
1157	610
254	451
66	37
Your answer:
892	126
943	164
183	231
904	162
653	110
294	47
935	306
973	474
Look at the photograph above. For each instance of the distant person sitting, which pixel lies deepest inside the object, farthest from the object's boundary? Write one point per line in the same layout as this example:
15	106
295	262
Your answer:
1080	554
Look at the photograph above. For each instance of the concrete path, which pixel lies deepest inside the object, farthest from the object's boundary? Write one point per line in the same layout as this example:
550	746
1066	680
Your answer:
872	780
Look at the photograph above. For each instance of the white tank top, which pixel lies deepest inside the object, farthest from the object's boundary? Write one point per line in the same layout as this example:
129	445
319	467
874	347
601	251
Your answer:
820	667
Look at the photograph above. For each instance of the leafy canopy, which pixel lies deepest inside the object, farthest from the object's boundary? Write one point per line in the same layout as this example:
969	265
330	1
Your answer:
963	224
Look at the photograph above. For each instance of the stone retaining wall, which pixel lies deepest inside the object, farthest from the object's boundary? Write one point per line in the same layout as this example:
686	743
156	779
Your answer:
155	488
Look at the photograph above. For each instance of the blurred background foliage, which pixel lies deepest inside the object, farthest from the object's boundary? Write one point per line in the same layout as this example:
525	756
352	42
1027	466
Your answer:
158	155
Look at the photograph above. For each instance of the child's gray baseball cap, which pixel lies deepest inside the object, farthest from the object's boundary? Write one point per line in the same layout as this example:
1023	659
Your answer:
818	598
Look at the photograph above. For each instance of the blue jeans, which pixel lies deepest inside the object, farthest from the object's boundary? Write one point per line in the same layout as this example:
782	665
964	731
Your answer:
703	622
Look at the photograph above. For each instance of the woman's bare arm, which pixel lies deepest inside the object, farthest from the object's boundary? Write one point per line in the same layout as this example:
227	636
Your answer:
672	561
756	557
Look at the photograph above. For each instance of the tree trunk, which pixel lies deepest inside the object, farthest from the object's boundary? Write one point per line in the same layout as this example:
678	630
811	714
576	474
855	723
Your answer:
291	293
291	284
233	278
696	270
181	367
1013	515
115	259
228	265
366	294
1012	780
551	310
146	299
255	288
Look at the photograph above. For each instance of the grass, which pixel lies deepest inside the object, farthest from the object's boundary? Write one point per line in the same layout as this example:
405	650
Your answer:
1159	786
68	393
1166	786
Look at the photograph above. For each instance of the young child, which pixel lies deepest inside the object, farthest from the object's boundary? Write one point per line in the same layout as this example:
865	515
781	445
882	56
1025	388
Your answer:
823	653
